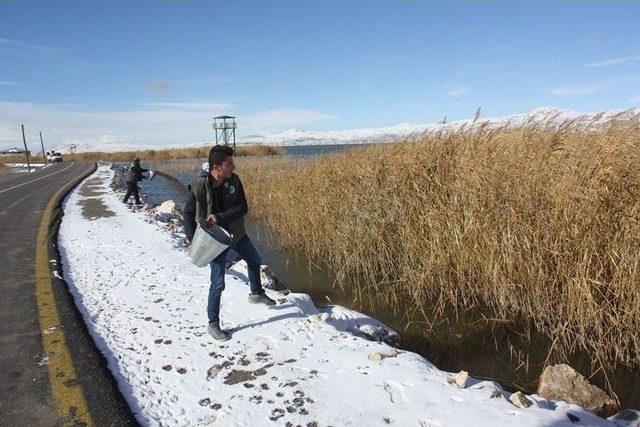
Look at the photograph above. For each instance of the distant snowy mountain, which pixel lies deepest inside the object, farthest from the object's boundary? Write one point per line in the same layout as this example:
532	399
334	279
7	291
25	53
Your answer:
294	137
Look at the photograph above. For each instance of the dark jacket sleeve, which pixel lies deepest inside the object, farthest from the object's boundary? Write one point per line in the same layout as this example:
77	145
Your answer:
136	172
189	215
236	211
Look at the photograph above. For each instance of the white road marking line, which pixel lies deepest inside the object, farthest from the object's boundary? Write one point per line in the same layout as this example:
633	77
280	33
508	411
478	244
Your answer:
37	179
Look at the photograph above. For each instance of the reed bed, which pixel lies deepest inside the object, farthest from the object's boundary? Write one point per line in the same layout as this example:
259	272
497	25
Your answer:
537	225
155	155
166	155
20	159
4	168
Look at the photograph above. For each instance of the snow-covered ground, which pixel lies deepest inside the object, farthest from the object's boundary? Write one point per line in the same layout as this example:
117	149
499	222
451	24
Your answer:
293	137
24	165
145	305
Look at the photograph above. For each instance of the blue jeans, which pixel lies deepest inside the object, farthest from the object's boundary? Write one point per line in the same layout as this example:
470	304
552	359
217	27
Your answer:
247	252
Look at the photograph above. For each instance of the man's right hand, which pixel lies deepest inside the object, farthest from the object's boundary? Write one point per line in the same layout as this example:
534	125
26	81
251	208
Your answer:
211	219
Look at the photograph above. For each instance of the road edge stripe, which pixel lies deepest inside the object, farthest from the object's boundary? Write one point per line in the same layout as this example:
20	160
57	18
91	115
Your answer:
65	387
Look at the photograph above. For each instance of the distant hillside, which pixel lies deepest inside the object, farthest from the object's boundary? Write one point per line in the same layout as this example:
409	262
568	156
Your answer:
363	136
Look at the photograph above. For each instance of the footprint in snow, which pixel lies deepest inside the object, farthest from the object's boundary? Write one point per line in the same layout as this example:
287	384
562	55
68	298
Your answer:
276	414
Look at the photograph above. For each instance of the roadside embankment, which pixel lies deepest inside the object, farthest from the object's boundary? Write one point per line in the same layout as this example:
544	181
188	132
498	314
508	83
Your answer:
536	225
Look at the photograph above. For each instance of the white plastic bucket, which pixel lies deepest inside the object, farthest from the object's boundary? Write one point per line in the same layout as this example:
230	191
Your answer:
208	243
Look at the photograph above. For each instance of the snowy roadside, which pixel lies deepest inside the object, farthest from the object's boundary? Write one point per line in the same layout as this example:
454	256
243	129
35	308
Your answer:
145	306
34	166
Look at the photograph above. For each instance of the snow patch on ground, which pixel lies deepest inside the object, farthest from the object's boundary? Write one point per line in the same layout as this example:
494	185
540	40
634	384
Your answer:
25	165
145	306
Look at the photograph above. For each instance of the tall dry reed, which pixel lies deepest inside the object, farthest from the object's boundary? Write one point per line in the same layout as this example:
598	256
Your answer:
539	224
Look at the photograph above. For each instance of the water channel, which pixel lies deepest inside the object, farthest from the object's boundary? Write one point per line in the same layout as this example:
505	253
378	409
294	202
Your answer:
487	349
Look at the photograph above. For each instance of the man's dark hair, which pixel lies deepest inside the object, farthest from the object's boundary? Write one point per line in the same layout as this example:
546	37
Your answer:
219	154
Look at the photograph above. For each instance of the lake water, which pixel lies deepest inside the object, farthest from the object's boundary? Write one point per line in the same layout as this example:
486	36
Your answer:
491	350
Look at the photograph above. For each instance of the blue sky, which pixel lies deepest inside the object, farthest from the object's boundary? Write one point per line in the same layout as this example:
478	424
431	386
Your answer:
157	71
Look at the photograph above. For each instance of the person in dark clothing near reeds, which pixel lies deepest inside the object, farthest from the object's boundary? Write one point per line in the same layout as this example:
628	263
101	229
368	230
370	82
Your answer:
134	174
189	211
219	199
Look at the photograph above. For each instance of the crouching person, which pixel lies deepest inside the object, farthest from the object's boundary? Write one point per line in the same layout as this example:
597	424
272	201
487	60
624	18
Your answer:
220	199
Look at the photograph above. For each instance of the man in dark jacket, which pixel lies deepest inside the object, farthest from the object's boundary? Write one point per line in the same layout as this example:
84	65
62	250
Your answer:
220	199
133	176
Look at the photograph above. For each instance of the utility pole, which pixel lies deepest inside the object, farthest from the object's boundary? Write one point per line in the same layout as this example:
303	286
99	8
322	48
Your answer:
42	145
26	150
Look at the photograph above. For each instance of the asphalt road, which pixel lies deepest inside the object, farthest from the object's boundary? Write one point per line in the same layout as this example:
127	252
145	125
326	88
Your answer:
26	388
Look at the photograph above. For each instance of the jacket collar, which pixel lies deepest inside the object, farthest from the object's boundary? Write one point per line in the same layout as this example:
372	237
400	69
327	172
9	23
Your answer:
225	183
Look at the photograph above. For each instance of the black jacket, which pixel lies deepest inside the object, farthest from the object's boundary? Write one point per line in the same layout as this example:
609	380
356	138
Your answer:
135	173
230	210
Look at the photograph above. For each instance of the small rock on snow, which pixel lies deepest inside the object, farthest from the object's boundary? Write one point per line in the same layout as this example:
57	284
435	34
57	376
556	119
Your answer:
460	379
520	400
377	356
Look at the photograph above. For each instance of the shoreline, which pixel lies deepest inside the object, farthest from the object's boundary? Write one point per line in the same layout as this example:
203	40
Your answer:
148	319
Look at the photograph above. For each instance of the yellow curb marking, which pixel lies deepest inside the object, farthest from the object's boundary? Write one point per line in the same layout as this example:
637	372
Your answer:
65	387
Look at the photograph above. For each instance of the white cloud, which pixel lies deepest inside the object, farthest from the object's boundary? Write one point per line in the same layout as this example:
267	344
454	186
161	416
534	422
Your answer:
74	124
6	83
581	90
202	106
284	118
26	45
163	85
614	61
592	89
457	90
146	124
158	85
202	80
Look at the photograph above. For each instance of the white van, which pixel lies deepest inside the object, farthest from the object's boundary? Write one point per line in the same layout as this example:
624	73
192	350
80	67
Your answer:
54	157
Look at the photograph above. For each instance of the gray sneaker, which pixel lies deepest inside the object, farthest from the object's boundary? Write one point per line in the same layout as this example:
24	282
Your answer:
261	299
217	333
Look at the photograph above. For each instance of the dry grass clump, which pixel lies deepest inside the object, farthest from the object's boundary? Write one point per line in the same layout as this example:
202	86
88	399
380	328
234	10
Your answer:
258	150
4	168
539	223
20	159
165	155
153	155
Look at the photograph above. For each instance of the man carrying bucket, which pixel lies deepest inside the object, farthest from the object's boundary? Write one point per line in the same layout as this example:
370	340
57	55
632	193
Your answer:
220	199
